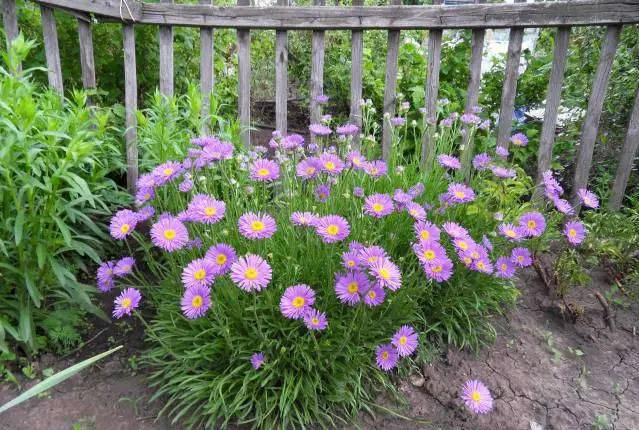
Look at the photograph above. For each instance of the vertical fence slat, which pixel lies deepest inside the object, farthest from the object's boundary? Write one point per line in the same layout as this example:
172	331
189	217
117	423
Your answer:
206	71
10	20
553	99
317	70
390	85
51	49
626	158
513	59
432	90
166	57
86	56
357	46
131	105
593	114
472	98
244	79
281	77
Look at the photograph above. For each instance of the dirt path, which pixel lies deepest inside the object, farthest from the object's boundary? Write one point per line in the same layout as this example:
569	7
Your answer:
544	372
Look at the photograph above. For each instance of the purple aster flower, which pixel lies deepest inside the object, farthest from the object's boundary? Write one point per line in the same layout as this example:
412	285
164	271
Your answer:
487	243
426	231
484	125
214	152
257	360
196	301
498	216
552	188
256	225
167	172
519	139
204	140
463	243
416	211
477	397
386	356
401	197
449	161
350	259
532	224
376	168
321	99
292	141
358	192
251	273
199	273
378	205
303	219
447	122
126	302
481	161
146	181
356	160
308	168
145	213
169	233
416	190
482	265
319	129
588	198
429	251
322	192
502	152
296	300
123	223
196	243
386	273
460	193
331	163
351	286
143	195
124	266
439	270
563	205
348	129
504	268
185	186
332	228
105	276
405	340
221	257
510	231
371	254
455	230
375	296
398	121
315	320
575	232
470	119
521	257
502	172
205	209
264	170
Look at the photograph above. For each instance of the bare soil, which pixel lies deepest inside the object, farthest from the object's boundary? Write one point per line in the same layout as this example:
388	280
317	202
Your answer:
545	373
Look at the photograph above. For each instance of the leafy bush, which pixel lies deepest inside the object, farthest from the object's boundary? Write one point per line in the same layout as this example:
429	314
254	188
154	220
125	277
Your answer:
55	192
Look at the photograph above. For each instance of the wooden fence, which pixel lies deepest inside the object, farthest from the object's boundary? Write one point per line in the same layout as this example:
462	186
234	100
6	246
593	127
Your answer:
319	18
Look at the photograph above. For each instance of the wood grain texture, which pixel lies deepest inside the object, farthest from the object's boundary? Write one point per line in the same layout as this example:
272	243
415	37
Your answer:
244	80
626	157
317	71
131	105
357	48
10	20
593	114
206	72
281	77
114	9
390	86
553	100
431	92
165	35
85	35
51	48
513	58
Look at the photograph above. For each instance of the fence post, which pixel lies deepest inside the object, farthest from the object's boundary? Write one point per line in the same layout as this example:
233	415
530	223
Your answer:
86	56
357	46
10	22
207	70
165	35
51	49
131	105
317	70
281	77
244	79
390	86
626	157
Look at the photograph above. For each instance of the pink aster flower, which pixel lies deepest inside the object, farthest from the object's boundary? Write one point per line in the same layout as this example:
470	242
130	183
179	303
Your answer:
502	152
371	254
502	172
398	121
416	211
481	161
378	205
251	273
588	198
519	139
296	300
460	193
315	320
145	213
143	195
256	225
449	161
303	219
332	228
386	357
347	130
350	259
124	266
429	251
106	276
126	302
351	286
405	340
376	168
356	160
552	187
575	232
322	192
331	163
167	172
264	170
205	209
477	397
257	360
416	190
358	192
532	224
521	257
195	301
386	273
510	231
439	270
455	230
169	233
319	129
375	296
221	256
292	141
123	223
504	268
199	273
308	168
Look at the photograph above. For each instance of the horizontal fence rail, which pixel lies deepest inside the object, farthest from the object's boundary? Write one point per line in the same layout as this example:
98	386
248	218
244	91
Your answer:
479	16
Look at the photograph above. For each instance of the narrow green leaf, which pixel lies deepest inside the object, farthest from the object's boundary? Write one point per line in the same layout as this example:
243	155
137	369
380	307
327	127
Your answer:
18	226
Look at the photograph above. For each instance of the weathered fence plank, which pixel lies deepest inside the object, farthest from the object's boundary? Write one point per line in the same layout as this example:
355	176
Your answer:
87	64
593	114
553	99
317	70
165	35
10	20
206	72
281	77
357	48
515	38
626	157
51	48
432	90
244	79
131	105
390	86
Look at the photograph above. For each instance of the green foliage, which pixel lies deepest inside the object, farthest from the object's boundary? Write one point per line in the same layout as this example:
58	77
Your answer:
55	191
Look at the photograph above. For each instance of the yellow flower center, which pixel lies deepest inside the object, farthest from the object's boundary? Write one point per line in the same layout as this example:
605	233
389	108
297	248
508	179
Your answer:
437	269
475	396
460	194
463	245
425	234
353	287
357	161
480	265
378	207
126	268
520	258
572	232
332	229
374	171
372	294
126	303
250	273
511	233
147	196
262	172
168	171
504	267
532	224
329	165
429	255
384	273
467	260
474	254
372	258
299	302
220	259
197	301
199	274
210	211
169	234
310	170
257	226
315	321
403	340
350	263
124	228
413	212
385	355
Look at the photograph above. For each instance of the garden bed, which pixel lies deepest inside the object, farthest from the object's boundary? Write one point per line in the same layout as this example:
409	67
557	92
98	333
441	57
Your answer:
542	370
